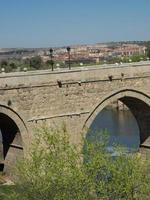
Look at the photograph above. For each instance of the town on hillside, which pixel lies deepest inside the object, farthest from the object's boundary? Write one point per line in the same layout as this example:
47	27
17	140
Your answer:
23	59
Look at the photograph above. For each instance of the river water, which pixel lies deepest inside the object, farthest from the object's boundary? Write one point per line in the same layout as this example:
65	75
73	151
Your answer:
121	127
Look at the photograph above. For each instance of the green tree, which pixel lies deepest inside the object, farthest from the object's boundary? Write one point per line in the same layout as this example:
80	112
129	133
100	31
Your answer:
36	62
148	53
4	63
55	169
147	44
12	64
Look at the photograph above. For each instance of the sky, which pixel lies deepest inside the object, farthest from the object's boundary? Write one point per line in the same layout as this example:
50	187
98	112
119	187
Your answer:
50	23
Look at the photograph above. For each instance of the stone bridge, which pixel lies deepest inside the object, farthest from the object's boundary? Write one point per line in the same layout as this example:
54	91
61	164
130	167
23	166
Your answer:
74	97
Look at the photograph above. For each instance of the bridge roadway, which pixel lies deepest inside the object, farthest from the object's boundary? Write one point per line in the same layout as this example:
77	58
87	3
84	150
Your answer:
74	97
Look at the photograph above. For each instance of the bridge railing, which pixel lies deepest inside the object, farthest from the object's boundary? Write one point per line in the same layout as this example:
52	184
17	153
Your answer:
75	69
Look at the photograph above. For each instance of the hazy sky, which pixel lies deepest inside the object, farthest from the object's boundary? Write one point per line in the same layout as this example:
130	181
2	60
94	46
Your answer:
46	23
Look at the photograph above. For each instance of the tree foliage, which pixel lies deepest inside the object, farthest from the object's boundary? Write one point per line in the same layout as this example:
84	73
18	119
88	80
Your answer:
55	169
148	52
147	44
36	62
4	63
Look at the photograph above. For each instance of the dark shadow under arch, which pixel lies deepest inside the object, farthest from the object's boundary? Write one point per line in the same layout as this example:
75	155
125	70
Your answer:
12	132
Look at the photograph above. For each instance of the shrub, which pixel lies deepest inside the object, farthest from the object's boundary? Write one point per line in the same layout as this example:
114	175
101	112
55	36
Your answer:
57	170
36	63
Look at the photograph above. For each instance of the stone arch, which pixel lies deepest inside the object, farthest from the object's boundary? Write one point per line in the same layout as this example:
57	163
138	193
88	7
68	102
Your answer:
138	103
13	133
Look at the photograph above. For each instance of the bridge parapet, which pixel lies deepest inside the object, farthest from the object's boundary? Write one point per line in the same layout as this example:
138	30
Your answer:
82	74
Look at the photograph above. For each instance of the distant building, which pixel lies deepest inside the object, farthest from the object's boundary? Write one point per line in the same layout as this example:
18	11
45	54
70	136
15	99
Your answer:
130	49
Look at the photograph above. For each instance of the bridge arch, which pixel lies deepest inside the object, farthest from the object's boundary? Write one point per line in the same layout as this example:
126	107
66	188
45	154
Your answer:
137	102
13	132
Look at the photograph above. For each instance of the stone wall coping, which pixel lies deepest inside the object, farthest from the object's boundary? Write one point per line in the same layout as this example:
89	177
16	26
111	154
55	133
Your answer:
77	69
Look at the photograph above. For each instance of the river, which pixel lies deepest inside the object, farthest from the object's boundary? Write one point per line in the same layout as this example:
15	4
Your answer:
121	127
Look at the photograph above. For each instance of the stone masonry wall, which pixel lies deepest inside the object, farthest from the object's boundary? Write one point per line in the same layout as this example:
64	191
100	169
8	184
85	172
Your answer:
67	96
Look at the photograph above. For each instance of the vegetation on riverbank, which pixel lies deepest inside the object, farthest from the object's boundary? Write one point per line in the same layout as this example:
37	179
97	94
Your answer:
58	170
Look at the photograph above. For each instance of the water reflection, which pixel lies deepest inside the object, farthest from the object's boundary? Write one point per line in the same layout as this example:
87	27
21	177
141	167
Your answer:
121	126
